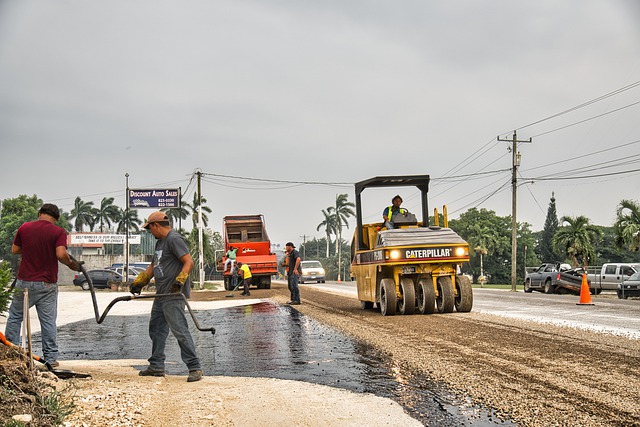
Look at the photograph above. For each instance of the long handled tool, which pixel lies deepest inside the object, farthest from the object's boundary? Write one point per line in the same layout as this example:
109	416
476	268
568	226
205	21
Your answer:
100	318
233	290
60	373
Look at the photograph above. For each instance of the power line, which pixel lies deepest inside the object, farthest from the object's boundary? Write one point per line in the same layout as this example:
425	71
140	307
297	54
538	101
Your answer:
589	119
338	184
587	155
585	104
584	177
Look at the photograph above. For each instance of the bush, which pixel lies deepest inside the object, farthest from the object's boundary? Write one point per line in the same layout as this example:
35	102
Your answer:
6	278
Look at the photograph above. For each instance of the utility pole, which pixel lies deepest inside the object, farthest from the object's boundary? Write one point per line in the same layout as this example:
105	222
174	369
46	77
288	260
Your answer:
125	270
514	192
200	250
338	235
304	246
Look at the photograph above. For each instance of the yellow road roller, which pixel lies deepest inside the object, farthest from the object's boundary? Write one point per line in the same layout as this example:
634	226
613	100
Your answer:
412	267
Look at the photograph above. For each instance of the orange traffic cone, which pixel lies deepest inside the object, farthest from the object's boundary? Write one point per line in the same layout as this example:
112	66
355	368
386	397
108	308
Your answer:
585	294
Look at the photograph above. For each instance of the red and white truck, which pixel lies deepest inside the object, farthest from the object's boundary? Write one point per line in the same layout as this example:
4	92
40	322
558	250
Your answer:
249	234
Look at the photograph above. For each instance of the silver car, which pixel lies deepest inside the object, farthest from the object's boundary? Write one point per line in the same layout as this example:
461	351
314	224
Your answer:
312	271
630	287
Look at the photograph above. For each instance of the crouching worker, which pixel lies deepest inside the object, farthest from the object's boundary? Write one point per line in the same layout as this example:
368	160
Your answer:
170	266
245	272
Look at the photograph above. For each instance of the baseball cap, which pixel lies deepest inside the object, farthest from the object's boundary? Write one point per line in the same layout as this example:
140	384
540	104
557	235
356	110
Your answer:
291	244
156	217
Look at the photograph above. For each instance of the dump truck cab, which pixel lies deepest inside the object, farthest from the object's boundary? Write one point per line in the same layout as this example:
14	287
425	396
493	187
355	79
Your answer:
412	267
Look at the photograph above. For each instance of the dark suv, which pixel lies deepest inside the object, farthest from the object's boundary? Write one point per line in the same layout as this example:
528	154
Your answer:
99	278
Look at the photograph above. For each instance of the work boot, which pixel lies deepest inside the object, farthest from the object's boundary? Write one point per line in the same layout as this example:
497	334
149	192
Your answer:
54	364
151	372
195	375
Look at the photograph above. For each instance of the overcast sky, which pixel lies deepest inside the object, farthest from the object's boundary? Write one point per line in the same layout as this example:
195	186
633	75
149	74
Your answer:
333	92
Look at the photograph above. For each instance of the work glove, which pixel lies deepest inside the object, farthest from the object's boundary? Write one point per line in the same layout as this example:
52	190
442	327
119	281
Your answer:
141	281
179	282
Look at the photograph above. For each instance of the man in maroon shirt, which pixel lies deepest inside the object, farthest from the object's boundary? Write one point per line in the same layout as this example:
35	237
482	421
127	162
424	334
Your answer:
42	244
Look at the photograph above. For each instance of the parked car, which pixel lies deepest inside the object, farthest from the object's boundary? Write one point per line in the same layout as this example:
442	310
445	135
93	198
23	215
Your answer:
312	270
630	287
101	278
133	271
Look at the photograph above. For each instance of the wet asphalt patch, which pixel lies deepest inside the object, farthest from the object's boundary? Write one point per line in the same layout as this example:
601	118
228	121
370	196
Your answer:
268	340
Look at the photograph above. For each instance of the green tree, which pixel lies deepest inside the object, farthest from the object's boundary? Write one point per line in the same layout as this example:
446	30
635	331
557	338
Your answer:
342	211
14	213
83	213
329	225
545	245
627	225
6	277
483	228
106	213
577	240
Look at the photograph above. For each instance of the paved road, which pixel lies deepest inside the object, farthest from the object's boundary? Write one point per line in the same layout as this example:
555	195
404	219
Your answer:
608	314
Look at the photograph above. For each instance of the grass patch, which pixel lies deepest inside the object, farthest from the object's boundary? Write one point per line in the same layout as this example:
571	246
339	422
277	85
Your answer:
498	286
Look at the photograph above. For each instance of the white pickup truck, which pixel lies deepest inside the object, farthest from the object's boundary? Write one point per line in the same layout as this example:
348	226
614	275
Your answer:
610	275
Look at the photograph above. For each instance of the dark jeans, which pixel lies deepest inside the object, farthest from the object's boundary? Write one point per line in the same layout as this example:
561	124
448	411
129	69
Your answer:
293	287
168	314
234	281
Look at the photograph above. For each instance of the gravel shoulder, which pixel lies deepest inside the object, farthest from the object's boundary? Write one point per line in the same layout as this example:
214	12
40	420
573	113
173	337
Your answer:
117	396
532	373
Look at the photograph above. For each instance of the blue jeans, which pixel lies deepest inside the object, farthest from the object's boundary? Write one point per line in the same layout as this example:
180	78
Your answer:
293	287
45	297
168	314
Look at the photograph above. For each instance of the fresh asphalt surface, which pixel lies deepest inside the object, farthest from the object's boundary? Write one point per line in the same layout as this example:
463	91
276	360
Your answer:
607	314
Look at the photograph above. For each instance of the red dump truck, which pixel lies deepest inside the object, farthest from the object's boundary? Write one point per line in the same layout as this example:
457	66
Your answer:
249	234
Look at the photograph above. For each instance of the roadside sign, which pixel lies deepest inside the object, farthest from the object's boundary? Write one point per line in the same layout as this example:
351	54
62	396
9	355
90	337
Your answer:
154	198
100	238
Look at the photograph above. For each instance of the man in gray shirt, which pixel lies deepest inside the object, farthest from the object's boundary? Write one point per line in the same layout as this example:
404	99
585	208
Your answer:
170	267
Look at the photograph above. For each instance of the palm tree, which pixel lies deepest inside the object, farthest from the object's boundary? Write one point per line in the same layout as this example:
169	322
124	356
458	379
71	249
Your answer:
84	213
194	211
627	225
485	240
342	212
329	225
106	213
577	239
177	214
128	219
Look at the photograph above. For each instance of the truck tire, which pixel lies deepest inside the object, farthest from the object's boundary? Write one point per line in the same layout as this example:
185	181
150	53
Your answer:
444	299
527	286
548	287
407	304
426	297
227	283
388	300
464	298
